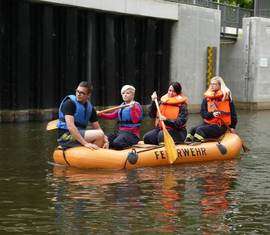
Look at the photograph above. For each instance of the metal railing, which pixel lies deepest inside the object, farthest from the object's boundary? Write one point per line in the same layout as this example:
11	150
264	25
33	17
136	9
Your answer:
231	16
262	8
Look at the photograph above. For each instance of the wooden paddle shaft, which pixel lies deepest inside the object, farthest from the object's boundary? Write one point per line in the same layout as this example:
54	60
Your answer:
53	124
159	114
113	108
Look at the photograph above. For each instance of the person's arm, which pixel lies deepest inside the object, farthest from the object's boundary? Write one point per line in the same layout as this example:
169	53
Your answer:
180	120
204	110
109	116
152	110
69	109
136	113
233	116
95	124
94	120
74	130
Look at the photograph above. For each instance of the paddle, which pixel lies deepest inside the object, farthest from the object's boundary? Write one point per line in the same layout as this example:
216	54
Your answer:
244	147
168	140
53	124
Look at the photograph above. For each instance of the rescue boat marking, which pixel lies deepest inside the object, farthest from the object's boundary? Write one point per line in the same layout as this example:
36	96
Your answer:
183	152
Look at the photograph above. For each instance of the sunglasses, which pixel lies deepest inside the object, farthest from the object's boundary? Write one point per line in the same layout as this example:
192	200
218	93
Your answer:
80	92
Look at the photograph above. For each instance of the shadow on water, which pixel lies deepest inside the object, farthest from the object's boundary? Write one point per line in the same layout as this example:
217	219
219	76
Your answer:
207	198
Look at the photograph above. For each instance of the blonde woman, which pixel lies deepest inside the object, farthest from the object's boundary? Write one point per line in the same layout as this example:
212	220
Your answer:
218	113
129	120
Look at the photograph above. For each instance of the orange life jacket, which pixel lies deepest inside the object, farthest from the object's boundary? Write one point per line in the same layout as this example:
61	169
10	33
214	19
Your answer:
170	107
216	104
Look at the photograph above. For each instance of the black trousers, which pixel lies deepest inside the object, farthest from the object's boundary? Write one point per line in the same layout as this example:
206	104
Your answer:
122	139
155	136
208	131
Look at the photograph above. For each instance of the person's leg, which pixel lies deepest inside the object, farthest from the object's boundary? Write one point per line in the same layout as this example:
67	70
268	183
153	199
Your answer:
111	138
151	137
178	135
191	133
160	136
68	141
209	132
96	137
124	140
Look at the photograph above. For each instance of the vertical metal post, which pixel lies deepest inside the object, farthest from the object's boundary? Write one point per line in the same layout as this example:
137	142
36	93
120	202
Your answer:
247	60
218	48
211	64
255	7
217	60
224	18
238	18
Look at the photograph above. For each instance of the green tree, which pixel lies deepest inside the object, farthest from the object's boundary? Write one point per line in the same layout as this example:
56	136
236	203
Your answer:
242	3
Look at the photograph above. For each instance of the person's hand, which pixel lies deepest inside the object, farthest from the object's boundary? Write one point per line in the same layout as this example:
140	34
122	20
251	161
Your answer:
91	146
106	145
232	130
154	96
106	142
162	118
216	114
131	104
98	113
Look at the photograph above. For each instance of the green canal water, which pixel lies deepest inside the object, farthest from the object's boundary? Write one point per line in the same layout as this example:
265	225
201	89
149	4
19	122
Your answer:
228	197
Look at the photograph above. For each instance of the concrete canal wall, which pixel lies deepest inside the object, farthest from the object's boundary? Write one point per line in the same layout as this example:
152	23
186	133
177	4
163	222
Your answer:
46	49
245	64
150	8
196	29
184	33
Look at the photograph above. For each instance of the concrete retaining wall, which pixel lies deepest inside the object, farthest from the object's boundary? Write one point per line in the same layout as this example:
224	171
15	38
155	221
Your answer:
245	65
196	29
232	67
149	8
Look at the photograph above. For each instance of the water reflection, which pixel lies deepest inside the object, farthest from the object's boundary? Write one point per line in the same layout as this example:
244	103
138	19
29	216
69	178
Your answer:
230	197
154	200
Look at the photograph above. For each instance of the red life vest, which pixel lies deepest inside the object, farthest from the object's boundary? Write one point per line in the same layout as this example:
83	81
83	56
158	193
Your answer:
216	104
170	107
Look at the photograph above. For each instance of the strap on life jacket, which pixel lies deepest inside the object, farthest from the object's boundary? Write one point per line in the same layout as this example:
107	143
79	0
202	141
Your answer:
170	107
219	106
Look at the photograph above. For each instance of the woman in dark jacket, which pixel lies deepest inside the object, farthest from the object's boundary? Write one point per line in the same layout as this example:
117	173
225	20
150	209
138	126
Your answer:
218	113
174	113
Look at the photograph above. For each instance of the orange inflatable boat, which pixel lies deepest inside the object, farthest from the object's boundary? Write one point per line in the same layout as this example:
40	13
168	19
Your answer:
143	155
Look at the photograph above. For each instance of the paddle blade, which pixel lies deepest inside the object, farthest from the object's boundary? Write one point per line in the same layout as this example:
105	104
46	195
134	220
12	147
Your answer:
52	125
245	148
169	146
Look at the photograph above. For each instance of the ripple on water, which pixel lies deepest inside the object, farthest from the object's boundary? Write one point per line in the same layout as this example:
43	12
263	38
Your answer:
229	197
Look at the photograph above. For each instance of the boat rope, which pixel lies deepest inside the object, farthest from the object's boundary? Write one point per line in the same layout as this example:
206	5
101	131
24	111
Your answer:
132	156
125	164
156	147
64	156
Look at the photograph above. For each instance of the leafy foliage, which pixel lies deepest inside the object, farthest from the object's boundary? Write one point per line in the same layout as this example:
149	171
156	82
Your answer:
242	3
